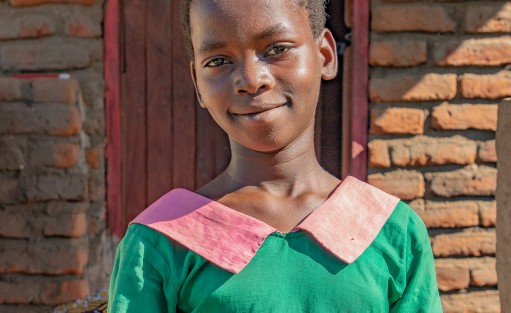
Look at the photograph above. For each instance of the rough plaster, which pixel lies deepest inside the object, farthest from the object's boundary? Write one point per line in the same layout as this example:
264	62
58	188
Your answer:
504	204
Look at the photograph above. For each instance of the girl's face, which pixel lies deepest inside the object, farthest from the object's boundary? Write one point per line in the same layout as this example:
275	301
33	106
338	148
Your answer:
258	69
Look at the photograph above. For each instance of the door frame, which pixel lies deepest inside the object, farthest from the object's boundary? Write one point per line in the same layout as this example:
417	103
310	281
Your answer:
355	104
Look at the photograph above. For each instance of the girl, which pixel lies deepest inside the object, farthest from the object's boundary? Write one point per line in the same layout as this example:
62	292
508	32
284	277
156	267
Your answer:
274	232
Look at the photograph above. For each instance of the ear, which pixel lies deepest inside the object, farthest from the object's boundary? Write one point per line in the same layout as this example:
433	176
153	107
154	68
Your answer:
194	78
328	51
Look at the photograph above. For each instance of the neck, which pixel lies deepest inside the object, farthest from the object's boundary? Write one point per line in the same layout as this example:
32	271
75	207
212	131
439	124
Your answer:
289	171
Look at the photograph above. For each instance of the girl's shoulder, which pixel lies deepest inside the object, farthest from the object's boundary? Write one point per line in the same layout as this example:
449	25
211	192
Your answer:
404	233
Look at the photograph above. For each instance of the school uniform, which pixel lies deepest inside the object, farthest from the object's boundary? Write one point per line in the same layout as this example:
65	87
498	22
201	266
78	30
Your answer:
362	250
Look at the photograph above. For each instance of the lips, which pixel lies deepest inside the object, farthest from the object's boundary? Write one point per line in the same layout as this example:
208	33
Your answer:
253	110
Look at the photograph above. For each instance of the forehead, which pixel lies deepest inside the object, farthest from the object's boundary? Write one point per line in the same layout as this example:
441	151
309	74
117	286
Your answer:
247	6
242	18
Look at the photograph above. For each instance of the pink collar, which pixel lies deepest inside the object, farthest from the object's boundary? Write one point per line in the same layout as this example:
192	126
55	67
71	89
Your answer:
345	224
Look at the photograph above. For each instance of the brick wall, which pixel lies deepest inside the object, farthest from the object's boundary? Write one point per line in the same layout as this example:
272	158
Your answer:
438	71
53	241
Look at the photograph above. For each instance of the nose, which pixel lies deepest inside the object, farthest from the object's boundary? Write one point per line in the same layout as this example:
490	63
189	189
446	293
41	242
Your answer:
252	77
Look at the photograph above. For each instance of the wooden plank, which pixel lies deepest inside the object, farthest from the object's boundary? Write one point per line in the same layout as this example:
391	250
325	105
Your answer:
359	112
159	98
183	103
348	13
134	117
205	167
113	118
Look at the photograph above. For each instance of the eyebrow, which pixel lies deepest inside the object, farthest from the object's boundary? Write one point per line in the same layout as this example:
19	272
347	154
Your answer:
273	30
209	46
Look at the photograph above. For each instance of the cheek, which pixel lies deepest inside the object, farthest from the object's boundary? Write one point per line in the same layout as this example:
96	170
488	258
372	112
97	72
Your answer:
306	82
213	90
305	75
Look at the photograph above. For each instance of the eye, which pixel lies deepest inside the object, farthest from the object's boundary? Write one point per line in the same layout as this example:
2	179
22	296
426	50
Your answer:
217	62
275	50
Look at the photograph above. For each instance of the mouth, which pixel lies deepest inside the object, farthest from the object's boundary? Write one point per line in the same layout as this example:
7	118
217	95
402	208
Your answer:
259	112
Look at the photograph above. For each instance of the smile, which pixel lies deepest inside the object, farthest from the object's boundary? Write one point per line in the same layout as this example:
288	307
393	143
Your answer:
261	114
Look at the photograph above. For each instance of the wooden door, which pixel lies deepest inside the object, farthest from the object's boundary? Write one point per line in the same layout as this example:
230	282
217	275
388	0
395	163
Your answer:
167	140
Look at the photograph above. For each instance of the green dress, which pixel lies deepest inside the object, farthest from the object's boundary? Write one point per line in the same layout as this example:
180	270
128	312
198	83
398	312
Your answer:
382	263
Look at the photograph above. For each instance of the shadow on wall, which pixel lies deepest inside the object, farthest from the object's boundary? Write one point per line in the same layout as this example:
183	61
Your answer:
438	73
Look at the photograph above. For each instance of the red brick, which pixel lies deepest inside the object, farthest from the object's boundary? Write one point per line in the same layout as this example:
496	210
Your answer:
25	26
494	86
417	205
65	291
452	274
53	119
56	186
471	242
413	87
450	214
44	55
406	185
481	52
49	256
487	151
488	18
59	209
55	90
61	219
23	290
378	154
469	181
54	153
483	272
465	116
10	89
472	302
398	53
423	18
42	290
93	156
96	218
12	152
422	151
15	222
25	308
397	121
22	3
488	213
83	26
96	184
65	155
9	190
75	225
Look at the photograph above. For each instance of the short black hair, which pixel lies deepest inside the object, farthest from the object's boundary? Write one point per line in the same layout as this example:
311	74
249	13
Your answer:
316	9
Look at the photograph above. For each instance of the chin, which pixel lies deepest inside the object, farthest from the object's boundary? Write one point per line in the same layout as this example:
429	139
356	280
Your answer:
266	147
270	145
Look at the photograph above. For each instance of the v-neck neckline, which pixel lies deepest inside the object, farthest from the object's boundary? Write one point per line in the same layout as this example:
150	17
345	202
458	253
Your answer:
345	224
